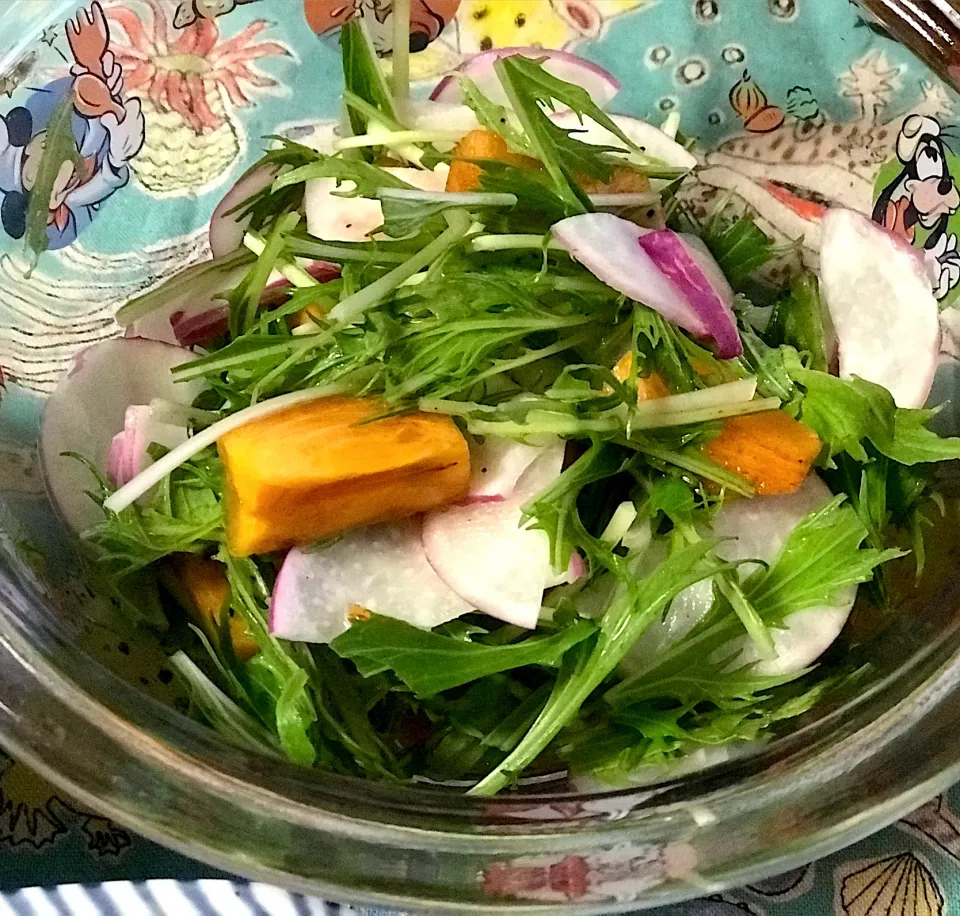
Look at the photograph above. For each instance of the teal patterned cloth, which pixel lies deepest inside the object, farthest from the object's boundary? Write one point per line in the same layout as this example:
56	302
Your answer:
797	104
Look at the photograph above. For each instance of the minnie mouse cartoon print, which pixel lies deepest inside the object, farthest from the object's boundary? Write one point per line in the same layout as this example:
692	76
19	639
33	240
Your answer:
923	197
107	130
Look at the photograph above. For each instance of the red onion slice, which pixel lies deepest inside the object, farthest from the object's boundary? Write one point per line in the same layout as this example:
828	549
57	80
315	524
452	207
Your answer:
599	83
710	295
609	247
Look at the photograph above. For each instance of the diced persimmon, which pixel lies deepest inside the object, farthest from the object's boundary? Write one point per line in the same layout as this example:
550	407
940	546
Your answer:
326	466
204	589
305	317
464	174
649	388
628	181
623	181
771	450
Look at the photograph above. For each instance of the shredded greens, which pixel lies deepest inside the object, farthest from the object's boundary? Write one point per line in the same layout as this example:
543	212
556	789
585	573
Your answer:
459	305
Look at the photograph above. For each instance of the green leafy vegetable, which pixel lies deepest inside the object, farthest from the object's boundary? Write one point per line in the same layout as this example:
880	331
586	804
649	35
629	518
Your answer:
183	515
739	246
493	117
799	320
59	149
528	86
589	664
429	663
363	76
822	556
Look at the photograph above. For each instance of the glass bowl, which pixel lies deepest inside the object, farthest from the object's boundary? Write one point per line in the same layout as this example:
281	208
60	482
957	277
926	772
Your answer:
796	103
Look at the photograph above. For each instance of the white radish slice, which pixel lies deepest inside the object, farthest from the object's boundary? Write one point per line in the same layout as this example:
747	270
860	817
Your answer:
194	320
609	247
651	140
195	311
882	306
226	227
708	292
497	464
127	455
756	529
382	568
481	551
444	117
335	218
599	83
88	408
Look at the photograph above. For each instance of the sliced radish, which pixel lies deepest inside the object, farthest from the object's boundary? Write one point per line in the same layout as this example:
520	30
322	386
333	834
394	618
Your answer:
187	321
275	292
88	408
882	306
599	83
755	529
196	330
651	140
335	218
382	568
226	227
127	455
708	292
497	465
609	247
195	299
576	570
442	117
481	551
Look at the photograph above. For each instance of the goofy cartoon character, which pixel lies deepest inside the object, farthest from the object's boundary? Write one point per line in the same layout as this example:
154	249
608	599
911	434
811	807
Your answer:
107	131
924	196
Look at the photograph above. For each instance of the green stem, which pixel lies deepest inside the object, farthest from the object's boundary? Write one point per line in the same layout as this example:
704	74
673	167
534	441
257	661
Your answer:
353	307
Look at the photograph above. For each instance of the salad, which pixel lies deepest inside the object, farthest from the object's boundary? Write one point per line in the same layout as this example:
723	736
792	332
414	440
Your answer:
474	458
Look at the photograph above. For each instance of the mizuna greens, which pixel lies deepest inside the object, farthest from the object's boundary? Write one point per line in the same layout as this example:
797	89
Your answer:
463	309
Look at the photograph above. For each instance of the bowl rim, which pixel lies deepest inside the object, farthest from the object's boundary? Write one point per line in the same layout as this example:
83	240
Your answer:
167	748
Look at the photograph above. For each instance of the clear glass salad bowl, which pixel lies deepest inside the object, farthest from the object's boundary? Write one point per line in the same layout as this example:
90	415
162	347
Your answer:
794	104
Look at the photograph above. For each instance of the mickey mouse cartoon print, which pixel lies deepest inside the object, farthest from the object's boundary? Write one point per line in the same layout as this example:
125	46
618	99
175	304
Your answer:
923	196
107	130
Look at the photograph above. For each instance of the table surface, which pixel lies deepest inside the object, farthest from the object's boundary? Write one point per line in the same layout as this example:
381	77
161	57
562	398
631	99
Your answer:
47	840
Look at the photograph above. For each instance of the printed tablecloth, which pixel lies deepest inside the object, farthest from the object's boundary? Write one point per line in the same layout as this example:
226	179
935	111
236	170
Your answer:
801	103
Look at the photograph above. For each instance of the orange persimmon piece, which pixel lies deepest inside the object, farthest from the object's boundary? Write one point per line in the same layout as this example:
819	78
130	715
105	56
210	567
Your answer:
649	388
203	583
771	450
326	466
464	174
624	180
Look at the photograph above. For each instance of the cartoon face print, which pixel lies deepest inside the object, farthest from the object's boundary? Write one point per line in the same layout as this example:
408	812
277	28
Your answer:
924	196
428	18
189	11
933	192
107	131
